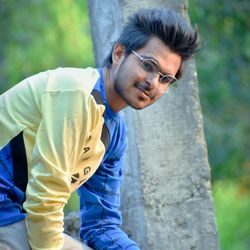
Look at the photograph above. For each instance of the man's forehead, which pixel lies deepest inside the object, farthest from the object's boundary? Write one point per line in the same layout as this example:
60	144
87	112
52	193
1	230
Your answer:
166	59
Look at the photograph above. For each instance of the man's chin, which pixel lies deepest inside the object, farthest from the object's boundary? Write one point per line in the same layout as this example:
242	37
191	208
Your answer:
139	106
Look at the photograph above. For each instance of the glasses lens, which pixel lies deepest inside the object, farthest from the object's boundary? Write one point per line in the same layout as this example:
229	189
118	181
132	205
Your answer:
166	79
149	66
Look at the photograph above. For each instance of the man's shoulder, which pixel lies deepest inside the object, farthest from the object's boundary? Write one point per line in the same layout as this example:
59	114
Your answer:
73	78
70	71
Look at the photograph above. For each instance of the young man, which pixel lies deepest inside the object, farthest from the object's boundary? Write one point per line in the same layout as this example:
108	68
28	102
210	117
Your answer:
61	130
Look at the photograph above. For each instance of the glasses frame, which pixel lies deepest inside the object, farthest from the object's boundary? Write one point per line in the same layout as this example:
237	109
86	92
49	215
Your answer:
154	74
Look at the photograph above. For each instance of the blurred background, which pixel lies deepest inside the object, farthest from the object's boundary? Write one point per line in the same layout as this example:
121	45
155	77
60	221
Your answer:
224	85
37	35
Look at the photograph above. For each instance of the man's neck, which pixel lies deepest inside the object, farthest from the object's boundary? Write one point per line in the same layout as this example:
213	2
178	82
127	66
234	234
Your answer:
115	101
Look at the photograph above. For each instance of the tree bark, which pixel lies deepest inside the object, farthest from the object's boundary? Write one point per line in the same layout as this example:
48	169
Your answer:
166	194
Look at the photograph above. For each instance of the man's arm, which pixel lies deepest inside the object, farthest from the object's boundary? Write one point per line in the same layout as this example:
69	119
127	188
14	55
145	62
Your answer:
100	201
54	156
67	118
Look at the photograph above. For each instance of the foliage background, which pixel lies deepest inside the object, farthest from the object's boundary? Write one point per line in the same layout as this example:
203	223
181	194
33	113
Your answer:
224	83
37	35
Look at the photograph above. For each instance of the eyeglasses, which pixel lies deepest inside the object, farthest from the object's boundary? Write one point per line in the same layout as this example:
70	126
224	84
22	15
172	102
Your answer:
151	67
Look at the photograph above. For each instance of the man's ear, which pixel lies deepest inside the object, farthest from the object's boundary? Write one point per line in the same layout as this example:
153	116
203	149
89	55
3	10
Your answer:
118	54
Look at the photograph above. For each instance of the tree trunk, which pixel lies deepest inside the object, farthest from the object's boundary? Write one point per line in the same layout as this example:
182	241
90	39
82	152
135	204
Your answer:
166	193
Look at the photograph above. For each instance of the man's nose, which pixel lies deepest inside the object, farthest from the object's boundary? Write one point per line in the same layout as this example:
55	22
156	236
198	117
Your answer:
153	81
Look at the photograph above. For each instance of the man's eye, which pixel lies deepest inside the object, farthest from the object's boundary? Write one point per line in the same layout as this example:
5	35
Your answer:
165	79
149	66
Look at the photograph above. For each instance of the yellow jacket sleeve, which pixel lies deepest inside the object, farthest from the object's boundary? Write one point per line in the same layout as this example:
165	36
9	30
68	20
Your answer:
67	120
58	116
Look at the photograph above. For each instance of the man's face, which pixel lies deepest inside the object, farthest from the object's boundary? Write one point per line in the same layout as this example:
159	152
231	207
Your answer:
133	84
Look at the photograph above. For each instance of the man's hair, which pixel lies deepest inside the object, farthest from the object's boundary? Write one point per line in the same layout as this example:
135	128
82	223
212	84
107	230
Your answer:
176	33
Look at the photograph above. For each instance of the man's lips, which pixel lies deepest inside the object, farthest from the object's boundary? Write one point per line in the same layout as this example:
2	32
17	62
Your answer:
143	91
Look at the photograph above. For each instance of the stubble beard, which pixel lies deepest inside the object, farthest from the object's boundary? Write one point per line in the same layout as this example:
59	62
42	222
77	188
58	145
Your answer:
121	93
